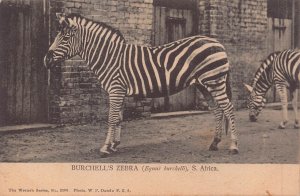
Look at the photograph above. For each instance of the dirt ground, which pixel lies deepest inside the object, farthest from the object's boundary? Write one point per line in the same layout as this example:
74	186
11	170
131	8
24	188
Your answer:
169	140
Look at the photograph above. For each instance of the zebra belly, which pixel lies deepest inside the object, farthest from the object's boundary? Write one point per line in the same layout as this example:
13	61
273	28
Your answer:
158	94
153	94
149	95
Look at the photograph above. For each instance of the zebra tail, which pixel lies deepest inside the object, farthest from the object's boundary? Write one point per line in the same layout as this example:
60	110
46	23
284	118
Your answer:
229	95
228	87
226	122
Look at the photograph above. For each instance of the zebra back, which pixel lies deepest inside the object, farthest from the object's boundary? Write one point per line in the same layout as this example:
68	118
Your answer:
287	69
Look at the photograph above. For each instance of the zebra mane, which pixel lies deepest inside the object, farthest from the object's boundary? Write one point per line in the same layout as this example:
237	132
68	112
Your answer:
265	69
85	21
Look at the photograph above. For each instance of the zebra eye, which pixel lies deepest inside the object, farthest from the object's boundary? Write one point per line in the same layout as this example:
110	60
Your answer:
66	37
69	33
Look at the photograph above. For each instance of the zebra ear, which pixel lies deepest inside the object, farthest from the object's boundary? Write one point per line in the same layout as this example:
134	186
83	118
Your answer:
264	102
248	87
71	23
61	17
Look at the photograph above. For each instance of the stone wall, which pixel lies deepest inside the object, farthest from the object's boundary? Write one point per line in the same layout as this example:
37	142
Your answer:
75	95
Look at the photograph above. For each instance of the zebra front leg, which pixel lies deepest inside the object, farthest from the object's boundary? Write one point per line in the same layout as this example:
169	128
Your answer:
284	104
117	140
295	108
106	148
114	129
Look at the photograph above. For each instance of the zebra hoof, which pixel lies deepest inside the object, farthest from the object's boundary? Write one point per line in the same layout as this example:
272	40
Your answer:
214	144
233	151
104	154
213	147
114	146
281	126
113	149
296	125
105	151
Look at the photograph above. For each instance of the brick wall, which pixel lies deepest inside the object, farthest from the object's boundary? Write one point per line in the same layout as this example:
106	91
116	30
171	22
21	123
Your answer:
241	25
75	95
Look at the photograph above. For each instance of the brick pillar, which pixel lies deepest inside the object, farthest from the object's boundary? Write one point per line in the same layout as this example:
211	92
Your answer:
241	26
297	24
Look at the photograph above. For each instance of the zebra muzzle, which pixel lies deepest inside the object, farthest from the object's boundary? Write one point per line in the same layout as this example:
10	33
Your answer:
252	118
48	59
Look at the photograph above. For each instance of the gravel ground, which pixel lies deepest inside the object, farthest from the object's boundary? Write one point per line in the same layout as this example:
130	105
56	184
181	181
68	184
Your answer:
168	140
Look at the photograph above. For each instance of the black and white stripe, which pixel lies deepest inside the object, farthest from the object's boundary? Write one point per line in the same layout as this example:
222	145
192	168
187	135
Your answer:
132	70
283	70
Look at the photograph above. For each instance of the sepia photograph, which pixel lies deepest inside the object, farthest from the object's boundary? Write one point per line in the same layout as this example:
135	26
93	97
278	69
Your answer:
149	97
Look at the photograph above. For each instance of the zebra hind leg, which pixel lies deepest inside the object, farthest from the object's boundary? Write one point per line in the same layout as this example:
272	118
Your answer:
228	114
295	108
282	91
218	116
218	134
225	106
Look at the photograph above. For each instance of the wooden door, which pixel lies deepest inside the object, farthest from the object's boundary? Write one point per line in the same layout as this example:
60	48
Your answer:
173	21
280	31
23	81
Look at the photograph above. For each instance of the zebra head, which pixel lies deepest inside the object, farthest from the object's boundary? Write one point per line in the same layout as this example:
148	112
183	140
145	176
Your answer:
255	103
65	44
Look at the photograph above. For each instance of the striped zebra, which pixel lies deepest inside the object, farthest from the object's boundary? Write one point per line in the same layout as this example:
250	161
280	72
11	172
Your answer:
282	69
131	70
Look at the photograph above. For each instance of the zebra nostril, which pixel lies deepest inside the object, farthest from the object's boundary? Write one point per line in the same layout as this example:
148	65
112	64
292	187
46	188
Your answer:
51	52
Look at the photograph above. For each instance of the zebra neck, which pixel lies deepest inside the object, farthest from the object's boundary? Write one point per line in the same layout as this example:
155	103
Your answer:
263	78
261	89
103	56
262	86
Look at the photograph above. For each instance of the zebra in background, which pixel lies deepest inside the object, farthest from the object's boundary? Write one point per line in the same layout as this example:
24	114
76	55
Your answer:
131	70
282	69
